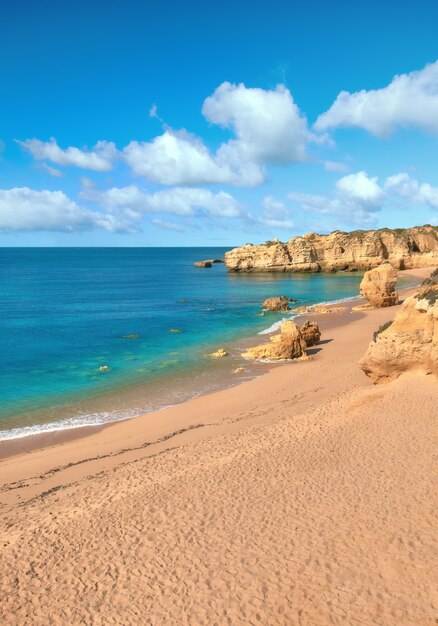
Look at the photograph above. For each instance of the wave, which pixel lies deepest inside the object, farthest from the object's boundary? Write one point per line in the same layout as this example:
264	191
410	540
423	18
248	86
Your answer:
80	421
276	325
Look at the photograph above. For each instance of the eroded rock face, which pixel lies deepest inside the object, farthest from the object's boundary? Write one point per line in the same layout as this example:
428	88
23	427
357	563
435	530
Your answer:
277	303
378	286
410	342
310	333
288	344
203	263
359	250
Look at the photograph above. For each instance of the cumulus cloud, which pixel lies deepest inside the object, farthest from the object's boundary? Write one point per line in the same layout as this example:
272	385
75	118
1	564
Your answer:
132	202
410	100
24	209
100	158
356	200
361	188
268	125
179	158
268	129
166	225
410	189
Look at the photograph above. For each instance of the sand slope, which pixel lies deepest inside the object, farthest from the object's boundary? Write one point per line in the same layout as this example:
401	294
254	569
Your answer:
311	500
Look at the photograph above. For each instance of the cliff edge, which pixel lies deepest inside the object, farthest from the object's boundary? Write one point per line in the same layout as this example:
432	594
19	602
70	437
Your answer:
404	248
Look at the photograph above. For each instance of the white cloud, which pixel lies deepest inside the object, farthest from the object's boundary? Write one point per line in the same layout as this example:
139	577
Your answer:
268	125
165	225
356	200
22	208
132	202
335	166
179	158
53	171
410	189
100	158
361	188
268	129
410	100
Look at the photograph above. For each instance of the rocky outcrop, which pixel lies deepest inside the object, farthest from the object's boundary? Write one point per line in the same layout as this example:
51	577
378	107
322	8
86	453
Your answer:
277	303
358	250
378	286
410	342
288	344
310	333
219	353
203	264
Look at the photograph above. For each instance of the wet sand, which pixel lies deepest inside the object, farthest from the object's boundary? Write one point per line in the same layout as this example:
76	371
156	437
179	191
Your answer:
305	496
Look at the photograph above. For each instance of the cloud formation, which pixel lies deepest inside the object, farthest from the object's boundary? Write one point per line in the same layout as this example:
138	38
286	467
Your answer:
179	158
131	203
410	189
410	100
24	209
356	200
100	158
268	129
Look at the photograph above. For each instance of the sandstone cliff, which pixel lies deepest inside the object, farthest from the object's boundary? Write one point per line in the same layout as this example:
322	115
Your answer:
358	250
410	342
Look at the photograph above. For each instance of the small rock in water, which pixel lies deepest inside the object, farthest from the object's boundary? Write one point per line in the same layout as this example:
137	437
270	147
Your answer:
131	336
104	368
239	370
174	330
219	353
202	264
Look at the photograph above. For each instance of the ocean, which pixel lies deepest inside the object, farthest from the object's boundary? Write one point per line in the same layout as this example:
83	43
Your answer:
68	312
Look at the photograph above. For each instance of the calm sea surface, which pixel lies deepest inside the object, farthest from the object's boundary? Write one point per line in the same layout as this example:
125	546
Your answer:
65	312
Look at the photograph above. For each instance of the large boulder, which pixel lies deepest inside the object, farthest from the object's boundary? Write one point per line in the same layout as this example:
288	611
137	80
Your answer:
207	263
277	303
310	333
288	344
378	286
410	342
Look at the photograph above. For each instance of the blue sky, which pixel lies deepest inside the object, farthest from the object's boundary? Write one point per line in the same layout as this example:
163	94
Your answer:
215	124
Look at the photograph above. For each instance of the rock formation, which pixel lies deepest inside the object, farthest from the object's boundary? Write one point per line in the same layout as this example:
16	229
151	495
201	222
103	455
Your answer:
358	250
203	264
219	353
378	286
288	344
310	333
277	303
410	342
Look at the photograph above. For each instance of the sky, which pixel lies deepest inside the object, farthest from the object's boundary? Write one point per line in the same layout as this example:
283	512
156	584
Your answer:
198	123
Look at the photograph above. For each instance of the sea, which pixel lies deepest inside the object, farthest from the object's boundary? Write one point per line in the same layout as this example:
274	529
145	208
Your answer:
94	335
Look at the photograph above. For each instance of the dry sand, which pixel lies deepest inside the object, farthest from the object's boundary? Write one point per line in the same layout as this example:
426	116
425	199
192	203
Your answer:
305	497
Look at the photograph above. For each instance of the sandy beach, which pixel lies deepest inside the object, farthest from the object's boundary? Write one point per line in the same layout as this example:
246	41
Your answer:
304	497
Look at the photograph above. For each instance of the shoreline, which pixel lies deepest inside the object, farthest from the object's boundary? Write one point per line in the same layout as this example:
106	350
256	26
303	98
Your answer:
34	441
79	444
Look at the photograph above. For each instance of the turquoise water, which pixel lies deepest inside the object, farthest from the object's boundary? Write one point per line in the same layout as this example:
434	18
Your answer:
65	311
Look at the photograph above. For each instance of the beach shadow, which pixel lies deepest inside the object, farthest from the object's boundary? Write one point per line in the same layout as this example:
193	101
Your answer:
312	351
324	341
